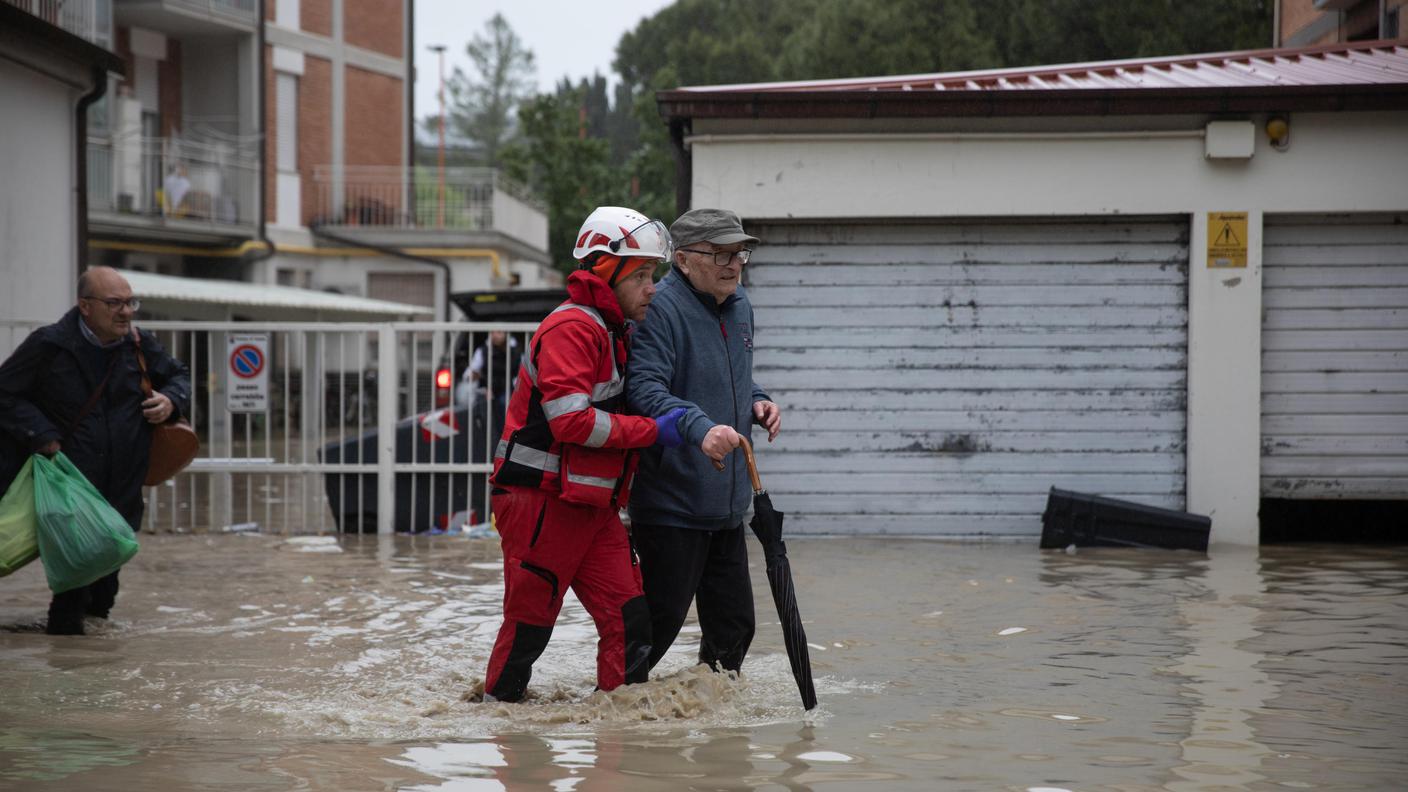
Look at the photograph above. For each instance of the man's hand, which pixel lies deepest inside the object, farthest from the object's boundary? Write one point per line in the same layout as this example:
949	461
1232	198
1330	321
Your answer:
157	409
769	416
50	448
720	440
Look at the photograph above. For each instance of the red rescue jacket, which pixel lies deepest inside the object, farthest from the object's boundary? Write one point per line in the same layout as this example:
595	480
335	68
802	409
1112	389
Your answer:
565	430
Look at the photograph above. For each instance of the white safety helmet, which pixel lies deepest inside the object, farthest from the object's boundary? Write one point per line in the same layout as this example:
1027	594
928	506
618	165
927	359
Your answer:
622	232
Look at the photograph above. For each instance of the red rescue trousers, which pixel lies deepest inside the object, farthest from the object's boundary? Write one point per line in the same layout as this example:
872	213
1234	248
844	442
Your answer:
549	546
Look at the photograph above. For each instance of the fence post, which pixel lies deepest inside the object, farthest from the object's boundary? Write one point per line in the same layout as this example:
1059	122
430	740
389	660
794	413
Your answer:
386	382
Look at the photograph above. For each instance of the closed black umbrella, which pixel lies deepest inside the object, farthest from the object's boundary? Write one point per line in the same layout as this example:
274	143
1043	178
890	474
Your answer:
767	524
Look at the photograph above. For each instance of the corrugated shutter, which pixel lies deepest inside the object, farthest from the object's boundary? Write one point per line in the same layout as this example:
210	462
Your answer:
415	288
939	378
1334	362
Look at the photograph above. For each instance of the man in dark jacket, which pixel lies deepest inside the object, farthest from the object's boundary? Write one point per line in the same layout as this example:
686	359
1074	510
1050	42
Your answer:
74	386
695	350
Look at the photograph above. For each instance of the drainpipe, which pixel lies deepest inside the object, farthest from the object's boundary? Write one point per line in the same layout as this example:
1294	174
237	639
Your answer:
100	87
262	125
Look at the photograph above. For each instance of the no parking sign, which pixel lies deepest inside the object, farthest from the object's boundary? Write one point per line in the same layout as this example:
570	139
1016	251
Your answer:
248	379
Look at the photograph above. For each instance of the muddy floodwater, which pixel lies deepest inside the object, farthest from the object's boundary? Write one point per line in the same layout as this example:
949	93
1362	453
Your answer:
255	662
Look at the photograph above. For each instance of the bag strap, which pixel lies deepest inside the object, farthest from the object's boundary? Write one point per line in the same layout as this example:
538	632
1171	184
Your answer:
92	400
142	363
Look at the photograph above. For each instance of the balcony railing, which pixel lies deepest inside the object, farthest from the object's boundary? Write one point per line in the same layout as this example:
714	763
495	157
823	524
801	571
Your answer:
173	179
79	17
239	8
472	199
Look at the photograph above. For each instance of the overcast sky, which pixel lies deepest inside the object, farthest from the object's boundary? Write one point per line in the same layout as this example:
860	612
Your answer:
567	37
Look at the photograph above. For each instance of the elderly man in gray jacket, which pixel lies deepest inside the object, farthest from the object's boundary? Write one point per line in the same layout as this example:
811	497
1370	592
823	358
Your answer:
695	350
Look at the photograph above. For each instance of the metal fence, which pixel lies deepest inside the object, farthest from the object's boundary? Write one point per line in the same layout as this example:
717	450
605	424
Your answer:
460	198
322	427
83	18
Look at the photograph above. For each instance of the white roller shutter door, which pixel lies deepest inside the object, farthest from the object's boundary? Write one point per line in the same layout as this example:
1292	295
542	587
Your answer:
1334	381
939	378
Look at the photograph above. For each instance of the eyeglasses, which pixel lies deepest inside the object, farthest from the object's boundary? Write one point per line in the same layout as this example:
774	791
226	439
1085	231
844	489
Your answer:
723	259
114	303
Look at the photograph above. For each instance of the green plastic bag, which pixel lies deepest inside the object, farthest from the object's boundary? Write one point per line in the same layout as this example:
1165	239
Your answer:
81	536
18	545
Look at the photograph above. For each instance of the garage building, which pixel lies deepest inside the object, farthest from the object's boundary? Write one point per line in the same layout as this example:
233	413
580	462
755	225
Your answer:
1179	281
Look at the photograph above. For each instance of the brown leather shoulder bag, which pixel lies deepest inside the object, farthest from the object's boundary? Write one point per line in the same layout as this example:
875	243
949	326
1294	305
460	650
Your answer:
174	443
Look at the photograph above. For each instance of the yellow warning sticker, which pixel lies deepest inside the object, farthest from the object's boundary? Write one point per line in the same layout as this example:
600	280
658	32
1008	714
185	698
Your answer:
1227	240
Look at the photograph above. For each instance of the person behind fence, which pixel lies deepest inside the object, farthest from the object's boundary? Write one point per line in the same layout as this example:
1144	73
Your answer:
490	376
74	386
564	464
694	351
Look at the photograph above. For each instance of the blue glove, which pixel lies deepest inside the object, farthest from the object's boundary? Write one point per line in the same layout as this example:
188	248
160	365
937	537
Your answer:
669	429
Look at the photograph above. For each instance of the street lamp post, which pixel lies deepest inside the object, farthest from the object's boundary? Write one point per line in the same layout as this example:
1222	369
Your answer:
439	49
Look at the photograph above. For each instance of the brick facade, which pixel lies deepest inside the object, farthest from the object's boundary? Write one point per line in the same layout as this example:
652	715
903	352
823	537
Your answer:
122	47
374	104
314	127
374	120
376	25
315	16
1296	14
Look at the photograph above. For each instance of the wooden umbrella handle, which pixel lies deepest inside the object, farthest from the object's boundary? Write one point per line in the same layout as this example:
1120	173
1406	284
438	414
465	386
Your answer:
753	477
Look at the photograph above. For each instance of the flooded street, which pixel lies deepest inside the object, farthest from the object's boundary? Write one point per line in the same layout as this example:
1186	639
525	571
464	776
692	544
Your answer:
253	662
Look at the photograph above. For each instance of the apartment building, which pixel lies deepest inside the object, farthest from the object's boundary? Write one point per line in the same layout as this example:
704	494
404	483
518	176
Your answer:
269	141
1306	23
346	209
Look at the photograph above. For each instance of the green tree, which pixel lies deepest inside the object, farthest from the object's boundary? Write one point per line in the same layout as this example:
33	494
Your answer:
1037	32
481	107
717	42
695	42
567	168
847	39
710	42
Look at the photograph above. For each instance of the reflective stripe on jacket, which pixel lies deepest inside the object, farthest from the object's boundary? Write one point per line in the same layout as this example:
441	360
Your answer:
565	431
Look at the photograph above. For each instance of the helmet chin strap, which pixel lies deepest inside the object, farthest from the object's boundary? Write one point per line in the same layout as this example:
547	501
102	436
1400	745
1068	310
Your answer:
620	262
594	263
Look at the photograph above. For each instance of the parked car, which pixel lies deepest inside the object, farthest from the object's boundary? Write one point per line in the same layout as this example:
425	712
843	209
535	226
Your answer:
424	501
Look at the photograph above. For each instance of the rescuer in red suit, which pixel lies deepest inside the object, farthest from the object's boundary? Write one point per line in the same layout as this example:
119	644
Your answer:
563	467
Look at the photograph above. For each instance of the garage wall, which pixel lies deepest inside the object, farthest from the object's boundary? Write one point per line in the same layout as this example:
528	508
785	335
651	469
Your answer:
37	208
939	378
1334	405
1099	166
1335	162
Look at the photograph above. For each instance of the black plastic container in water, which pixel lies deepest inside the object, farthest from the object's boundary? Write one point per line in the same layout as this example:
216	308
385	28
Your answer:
1074	518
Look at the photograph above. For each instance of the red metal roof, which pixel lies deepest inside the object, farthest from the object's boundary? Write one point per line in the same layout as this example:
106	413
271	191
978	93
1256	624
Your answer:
1360	76
1357	63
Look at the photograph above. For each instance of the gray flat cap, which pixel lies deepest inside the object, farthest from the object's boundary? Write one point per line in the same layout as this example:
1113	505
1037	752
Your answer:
719	226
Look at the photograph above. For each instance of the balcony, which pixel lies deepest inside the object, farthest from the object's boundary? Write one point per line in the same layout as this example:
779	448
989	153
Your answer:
82	18
189	17
391	202
171	188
